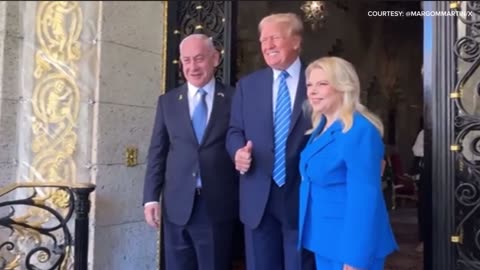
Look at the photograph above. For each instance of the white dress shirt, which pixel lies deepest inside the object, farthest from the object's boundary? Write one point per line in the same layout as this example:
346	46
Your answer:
418	146
292	82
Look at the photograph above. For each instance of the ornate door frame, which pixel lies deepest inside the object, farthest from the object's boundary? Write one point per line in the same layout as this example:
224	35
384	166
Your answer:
452	140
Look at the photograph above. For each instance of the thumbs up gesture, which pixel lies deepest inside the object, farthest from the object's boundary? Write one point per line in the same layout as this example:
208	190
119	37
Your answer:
243	158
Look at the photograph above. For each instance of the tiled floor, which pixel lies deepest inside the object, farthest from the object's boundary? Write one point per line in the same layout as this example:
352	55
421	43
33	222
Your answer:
404	222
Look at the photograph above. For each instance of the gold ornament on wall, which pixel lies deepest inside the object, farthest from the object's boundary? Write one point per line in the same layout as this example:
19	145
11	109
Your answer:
55	106
56	95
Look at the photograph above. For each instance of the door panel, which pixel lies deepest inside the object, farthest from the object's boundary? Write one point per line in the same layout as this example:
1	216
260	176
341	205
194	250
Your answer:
213	18
466	144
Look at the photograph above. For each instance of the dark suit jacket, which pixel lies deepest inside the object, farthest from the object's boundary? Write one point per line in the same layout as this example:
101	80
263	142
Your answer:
175	158
252	119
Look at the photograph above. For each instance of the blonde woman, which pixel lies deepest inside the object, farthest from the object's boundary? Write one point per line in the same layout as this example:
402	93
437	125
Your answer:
343	217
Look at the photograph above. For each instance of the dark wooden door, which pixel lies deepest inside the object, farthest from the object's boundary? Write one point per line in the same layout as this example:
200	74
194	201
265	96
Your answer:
452	134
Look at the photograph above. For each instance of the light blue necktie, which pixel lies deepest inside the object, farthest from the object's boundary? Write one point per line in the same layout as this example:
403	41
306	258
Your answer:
283	111
199	120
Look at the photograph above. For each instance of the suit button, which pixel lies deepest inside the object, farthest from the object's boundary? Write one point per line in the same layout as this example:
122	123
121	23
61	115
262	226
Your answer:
194	174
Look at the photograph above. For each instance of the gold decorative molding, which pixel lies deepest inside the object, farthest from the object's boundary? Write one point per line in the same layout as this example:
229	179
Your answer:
163	77
56	94
55	107
163	73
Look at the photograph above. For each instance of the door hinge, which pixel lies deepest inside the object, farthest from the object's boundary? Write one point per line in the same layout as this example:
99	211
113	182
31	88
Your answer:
457	238
455	148
454	5
454	95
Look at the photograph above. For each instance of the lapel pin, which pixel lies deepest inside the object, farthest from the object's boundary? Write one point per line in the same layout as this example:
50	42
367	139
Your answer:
180	97
221	94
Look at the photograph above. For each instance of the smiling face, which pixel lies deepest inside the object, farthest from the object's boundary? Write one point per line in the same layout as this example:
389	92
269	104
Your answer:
323	98
279	46
198	61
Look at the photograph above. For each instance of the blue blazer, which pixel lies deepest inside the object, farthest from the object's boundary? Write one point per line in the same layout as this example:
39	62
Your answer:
252	119
175	158
343	216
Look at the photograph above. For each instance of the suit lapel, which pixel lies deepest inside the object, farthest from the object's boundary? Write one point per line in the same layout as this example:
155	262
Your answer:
299	99
218	109
317	143
265	92
183	111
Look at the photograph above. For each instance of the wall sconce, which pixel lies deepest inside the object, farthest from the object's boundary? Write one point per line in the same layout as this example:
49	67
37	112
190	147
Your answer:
314	13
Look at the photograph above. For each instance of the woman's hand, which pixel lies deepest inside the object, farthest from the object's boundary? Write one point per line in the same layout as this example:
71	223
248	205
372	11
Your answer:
348	267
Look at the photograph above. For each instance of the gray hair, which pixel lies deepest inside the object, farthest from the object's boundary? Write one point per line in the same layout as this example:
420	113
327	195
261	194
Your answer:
208	40
291	20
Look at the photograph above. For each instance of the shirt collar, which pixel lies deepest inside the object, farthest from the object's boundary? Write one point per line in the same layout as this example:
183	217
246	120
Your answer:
293	69
209	88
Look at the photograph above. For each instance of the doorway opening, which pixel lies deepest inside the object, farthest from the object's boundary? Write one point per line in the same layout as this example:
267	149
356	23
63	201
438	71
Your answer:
387	52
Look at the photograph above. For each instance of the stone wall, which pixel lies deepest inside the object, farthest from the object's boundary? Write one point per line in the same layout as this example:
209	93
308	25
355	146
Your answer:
11	38
131	58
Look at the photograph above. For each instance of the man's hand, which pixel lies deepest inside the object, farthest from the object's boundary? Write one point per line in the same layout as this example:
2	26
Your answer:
152	215
243	158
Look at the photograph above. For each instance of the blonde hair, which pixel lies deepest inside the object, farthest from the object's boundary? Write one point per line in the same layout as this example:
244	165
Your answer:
343	78
292	22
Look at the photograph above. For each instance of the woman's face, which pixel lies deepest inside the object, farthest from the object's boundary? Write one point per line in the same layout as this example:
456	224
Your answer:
323	98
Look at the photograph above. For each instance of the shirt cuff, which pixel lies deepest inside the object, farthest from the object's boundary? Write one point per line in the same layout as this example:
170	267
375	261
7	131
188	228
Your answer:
149	203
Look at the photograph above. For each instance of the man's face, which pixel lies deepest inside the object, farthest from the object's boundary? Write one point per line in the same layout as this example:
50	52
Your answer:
198	61
279	47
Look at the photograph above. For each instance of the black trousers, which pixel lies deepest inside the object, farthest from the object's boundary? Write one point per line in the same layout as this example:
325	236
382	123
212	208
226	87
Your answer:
200	244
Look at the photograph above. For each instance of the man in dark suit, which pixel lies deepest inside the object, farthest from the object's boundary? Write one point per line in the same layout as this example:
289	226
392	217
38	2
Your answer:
190	168
266	135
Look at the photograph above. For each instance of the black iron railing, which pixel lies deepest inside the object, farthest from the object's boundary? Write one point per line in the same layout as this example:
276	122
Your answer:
35	231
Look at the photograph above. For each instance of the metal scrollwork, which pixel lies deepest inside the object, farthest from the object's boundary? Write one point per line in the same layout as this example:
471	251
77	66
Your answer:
207	17
467	194
466	97
467	49
38	226
38	240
